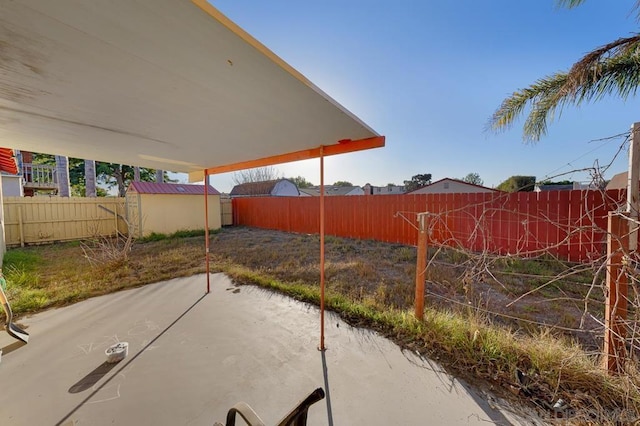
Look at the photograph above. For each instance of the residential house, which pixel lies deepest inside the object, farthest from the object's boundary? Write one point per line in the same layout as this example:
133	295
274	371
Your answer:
564	187
619	181
11	178
383	190
36	177
267	188
331	190
452	186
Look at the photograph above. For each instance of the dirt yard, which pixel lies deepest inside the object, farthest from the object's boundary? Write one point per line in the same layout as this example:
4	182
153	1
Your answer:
386	272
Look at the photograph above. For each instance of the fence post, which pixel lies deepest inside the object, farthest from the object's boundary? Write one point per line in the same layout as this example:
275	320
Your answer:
20	225
421	266
617	288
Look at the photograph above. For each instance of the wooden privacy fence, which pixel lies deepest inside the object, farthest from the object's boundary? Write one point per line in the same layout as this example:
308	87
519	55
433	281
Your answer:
571	225
33	220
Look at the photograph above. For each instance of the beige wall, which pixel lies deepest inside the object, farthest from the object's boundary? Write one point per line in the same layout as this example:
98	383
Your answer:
30	220
168	213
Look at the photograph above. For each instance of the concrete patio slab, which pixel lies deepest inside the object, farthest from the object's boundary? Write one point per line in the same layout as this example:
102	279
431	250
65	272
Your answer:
192	357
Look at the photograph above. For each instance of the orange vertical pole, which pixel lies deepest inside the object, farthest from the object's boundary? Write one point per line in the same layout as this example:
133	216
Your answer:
421	266
616	301
321	347
206	227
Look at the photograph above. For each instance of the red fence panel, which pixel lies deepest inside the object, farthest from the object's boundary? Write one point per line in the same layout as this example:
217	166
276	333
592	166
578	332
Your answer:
570	225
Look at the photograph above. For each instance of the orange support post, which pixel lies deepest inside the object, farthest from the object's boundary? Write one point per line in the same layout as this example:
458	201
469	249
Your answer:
616	301
206	226
321	347
421	266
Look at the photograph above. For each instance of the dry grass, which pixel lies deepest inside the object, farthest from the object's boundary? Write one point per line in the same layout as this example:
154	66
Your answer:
371	284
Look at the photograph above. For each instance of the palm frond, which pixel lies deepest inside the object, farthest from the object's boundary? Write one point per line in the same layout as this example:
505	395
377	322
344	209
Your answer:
539	95
570	4
613	69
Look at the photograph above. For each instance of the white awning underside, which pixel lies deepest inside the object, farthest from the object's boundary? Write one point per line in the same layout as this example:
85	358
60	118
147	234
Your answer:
168	84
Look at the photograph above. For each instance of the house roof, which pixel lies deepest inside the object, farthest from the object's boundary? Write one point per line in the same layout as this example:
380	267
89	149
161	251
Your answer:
563	187
457	181
329	190
170	188
172	85
619	181
8	161
255	188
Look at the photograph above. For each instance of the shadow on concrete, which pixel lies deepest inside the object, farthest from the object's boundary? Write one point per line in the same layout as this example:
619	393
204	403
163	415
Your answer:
126	364
455	385
327	390
12	347
92	378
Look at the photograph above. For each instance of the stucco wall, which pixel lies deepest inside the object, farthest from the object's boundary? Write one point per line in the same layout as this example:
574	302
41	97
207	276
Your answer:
168	213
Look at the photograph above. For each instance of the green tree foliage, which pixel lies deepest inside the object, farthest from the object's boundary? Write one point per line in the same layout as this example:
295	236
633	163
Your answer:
613	69
518	184
342	183
301	182
110	175
417	182
473	178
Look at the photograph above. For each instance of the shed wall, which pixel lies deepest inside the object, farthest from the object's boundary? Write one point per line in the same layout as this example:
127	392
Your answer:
168	213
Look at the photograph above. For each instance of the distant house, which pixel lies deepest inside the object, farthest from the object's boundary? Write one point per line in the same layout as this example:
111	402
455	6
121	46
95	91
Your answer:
331	190
165	208
619	181
452	186
11	178
268	188
383	190
568	187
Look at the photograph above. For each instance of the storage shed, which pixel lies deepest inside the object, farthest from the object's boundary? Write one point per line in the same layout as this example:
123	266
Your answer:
168	207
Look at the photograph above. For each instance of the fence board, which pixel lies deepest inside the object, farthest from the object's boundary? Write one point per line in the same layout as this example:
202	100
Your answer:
40	220
569	225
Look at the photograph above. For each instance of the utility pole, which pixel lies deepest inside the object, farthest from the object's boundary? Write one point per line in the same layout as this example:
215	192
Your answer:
622	242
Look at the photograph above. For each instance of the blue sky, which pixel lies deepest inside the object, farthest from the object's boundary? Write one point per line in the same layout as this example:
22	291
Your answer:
429	74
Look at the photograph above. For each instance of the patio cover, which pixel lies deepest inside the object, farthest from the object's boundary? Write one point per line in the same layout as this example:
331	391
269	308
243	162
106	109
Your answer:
166	84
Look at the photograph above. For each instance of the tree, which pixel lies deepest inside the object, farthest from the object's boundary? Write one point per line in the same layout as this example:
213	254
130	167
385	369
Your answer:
417	182
473	178
91	189
260	174
110	175
119	175
613	69
301	182
342	183
518	184
62	172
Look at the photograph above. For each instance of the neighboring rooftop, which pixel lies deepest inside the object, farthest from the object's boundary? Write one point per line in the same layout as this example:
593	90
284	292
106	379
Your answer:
450	185
170	188
8	161
267	188
333	190
618	181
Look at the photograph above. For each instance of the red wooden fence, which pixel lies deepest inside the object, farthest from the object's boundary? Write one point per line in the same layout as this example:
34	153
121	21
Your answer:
568	224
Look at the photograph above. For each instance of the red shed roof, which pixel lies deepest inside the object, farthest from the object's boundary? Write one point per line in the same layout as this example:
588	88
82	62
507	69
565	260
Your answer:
8	161
170	188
